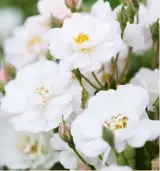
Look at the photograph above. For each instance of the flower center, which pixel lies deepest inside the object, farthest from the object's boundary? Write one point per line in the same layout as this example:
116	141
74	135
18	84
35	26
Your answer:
117	122
27	145
33	41
45	94
81	38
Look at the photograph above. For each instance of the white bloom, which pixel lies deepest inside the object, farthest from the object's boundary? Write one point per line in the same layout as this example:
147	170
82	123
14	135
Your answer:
102	10
85	42
44	21
153	8
68	158
149	80
9	18
23	150
117	168
138	36
120	110
39	96
28	43
56	8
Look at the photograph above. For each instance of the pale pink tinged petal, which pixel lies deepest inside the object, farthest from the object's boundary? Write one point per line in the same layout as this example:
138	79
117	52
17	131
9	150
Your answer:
57	144
92	148
68	159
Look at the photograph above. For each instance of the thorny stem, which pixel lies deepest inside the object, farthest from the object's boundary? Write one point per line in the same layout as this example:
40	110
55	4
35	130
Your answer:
72	146
95	77
94	86
127	64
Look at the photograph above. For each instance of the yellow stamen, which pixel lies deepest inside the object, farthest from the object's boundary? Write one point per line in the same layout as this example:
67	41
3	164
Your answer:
33	41
81	38
117	122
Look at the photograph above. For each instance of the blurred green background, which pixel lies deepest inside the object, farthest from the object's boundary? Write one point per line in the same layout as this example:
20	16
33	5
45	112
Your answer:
29	7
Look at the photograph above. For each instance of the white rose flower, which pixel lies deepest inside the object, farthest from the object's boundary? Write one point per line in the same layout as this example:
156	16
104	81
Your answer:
138	36
23	150
117	168
68	158
102	10
28	43
120	110
39	96
57	8
85	42
149	80
153	8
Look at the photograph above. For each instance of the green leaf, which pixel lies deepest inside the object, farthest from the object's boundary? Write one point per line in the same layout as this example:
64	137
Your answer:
108	136
142	159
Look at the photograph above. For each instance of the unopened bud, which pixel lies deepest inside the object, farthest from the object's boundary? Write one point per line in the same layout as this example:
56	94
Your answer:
65	132
131	12
74	5
2	86
121	161
82	166
125	2
135	3
10	70
122	18
129	153
3	77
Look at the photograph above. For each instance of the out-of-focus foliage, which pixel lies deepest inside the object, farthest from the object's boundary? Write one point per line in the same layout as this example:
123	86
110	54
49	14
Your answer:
29	6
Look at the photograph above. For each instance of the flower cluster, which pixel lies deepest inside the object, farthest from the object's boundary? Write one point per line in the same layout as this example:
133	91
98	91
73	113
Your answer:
74	89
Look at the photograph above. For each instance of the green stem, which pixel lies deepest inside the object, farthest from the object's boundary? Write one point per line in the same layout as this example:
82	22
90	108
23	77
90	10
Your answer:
95	77
72	146
115	68
155	59
137	17
100	157
126	67
94	86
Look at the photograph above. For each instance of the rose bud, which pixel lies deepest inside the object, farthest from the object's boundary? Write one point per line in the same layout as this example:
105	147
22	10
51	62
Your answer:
64	132
74	5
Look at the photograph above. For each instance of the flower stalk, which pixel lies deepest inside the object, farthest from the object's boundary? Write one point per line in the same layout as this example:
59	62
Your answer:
72	146
95	77
85	78
126	67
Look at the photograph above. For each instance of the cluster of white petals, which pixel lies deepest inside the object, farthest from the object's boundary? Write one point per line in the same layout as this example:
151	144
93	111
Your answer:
23	150
85	42
122	111
67	75
28	43
39	96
